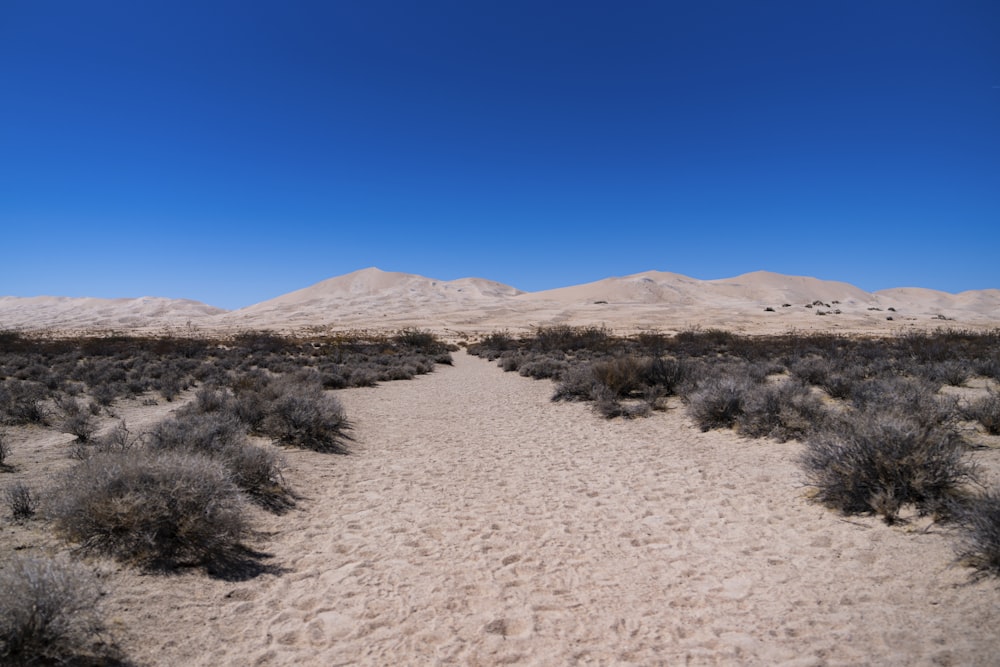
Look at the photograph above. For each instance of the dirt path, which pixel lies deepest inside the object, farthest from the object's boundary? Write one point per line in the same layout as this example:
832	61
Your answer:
477	523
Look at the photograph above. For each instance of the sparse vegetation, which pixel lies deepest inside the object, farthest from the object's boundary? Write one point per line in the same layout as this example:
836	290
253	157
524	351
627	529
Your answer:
176	495
21	500
49	614
156	509
4	449
987	412
876	461
978	519
879	433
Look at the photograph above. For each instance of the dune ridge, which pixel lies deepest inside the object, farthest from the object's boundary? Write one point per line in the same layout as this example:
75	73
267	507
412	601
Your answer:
372	298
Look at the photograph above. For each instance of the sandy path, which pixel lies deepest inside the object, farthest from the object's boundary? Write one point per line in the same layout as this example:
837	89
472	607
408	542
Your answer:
477	523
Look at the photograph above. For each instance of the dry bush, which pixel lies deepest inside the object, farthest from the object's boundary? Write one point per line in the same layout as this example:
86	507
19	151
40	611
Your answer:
784	412
49	614
577	383
541	366
610	406
875	461
76	420
665	375
21	402
157	509
978	519
220	436
621	376
914	396
954	372
303	416
21	501
987	412
717	402
4	449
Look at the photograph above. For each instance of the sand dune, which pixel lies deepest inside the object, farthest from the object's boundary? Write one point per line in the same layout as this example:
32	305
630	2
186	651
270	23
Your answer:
54	312
371	298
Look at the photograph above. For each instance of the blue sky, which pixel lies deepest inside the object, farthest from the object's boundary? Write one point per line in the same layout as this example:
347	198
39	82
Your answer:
230	152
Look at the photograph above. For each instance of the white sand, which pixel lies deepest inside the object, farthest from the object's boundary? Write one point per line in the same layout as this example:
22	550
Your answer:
476	523
374	299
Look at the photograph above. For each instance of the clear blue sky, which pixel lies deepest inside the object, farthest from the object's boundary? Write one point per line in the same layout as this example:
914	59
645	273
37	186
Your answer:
230	152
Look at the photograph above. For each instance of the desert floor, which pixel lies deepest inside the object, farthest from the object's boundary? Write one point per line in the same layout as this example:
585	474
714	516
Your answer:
478	523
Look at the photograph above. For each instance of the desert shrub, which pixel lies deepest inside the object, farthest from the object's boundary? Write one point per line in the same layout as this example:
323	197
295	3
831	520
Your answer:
49	613
952	372
510	360
363	377
209	399
620	376
664	374
117	440
784	412
915	396
21	501
566	338
4	448
610	406
718	401
813	370
840	384
106	394
157	509
303	416
76	420
577	383
987	412
170	385
978	520
220	436
422	341
21	402
541	367
876	461
197	432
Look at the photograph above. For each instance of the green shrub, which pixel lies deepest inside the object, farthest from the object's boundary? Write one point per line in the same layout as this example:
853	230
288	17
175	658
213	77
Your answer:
157	509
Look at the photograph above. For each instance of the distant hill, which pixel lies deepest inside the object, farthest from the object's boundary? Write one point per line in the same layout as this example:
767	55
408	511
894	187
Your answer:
372	298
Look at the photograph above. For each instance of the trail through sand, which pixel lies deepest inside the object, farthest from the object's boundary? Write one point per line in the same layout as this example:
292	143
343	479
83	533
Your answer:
477	523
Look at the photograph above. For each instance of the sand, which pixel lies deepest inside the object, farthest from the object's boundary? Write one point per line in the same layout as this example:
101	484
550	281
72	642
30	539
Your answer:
755	302
477	523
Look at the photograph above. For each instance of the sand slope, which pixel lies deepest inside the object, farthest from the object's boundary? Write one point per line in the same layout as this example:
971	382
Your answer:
58	312
477	523
371	298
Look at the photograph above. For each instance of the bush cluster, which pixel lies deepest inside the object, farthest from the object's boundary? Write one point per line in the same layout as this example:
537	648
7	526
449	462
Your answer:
156	509
176	495
875	461
49	614
38	375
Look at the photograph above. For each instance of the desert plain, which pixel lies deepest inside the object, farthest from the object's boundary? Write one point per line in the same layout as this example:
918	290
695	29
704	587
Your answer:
476	522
